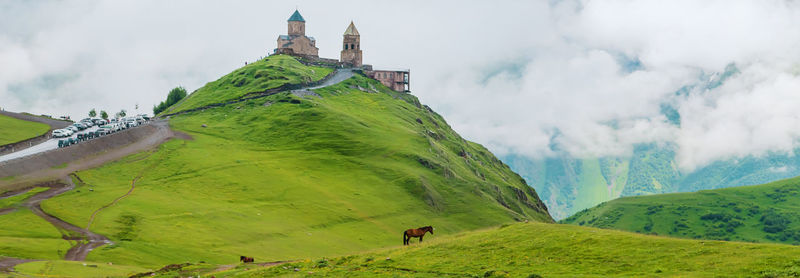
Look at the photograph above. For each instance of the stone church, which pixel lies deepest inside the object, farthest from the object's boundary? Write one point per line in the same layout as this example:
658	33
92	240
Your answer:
296	41
298	44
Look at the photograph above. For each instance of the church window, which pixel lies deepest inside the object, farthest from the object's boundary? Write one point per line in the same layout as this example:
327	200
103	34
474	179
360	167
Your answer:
345	47
352	46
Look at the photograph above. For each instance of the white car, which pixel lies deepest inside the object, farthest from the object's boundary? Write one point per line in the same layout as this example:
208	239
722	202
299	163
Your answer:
58	133
72	128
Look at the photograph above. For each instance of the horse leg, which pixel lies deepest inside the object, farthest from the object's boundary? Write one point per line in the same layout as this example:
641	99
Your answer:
405	241
420	238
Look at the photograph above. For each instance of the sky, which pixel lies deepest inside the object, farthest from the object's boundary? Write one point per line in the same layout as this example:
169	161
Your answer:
533	78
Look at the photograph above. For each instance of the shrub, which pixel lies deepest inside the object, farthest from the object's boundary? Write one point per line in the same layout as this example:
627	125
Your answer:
774	222
175	95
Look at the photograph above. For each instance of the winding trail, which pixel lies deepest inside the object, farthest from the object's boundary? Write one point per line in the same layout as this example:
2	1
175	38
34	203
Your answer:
85	240
115	201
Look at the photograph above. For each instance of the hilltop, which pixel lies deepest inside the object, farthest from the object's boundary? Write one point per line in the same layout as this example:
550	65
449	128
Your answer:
294	174
263	75
760	213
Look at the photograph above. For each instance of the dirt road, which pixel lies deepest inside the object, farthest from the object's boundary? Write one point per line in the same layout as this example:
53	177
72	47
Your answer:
84	240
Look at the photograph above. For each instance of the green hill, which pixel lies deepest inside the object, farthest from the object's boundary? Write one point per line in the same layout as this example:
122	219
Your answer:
342	169
760	213
14	130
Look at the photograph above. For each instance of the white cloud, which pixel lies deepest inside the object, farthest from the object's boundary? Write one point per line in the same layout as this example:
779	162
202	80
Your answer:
528	77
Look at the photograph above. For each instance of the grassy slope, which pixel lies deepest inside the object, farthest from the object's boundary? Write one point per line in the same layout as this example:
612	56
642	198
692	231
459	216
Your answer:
25	235
547	250
297	178
74	269
272	72
14	130
517	250
761	213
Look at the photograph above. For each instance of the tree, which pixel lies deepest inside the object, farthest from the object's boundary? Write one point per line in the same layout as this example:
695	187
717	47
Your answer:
175	95
92	113
103	114
121	113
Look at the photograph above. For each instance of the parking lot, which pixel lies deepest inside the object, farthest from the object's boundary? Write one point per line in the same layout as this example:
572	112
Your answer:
51	144
45	146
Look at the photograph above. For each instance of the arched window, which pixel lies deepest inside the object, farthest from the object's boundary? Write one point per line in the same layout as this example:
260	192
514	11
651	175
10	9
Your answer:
352	46
345	47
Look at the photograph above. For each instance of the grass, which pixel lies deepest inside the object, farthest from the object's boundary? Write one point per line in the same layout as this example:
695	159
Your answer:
14	130
285	177
11	201
549	250
271	72
25	235
55	268
515	250
760	213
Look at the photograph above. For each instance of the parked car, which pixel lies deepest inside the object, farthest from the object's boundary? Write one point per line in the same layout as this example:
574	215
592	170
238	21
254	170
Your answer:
67	132
80	126
131	122
73	129
58	133
102	131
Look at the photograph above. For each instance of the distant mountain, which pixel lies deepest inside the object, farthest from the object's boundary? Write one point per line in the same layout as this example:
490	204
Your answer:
568	185
759	213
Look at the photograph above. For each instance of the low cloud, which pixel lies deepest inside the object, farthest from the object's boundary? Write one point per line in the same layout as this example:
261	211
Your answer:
534	78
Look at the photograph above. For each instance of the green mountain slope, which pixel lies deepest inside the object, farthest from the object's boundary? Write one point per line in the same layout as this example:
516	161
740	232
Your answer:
339	170
760	213
14	130
568	185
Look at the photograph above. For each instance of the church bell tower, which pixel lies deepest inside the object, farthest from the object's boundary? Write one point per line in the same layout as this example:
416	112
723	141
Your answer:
351	48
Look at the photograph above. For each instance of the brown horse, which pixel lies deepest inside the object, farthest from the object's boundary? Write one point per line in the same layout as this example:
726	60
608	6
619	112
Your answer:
246	259
419	232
